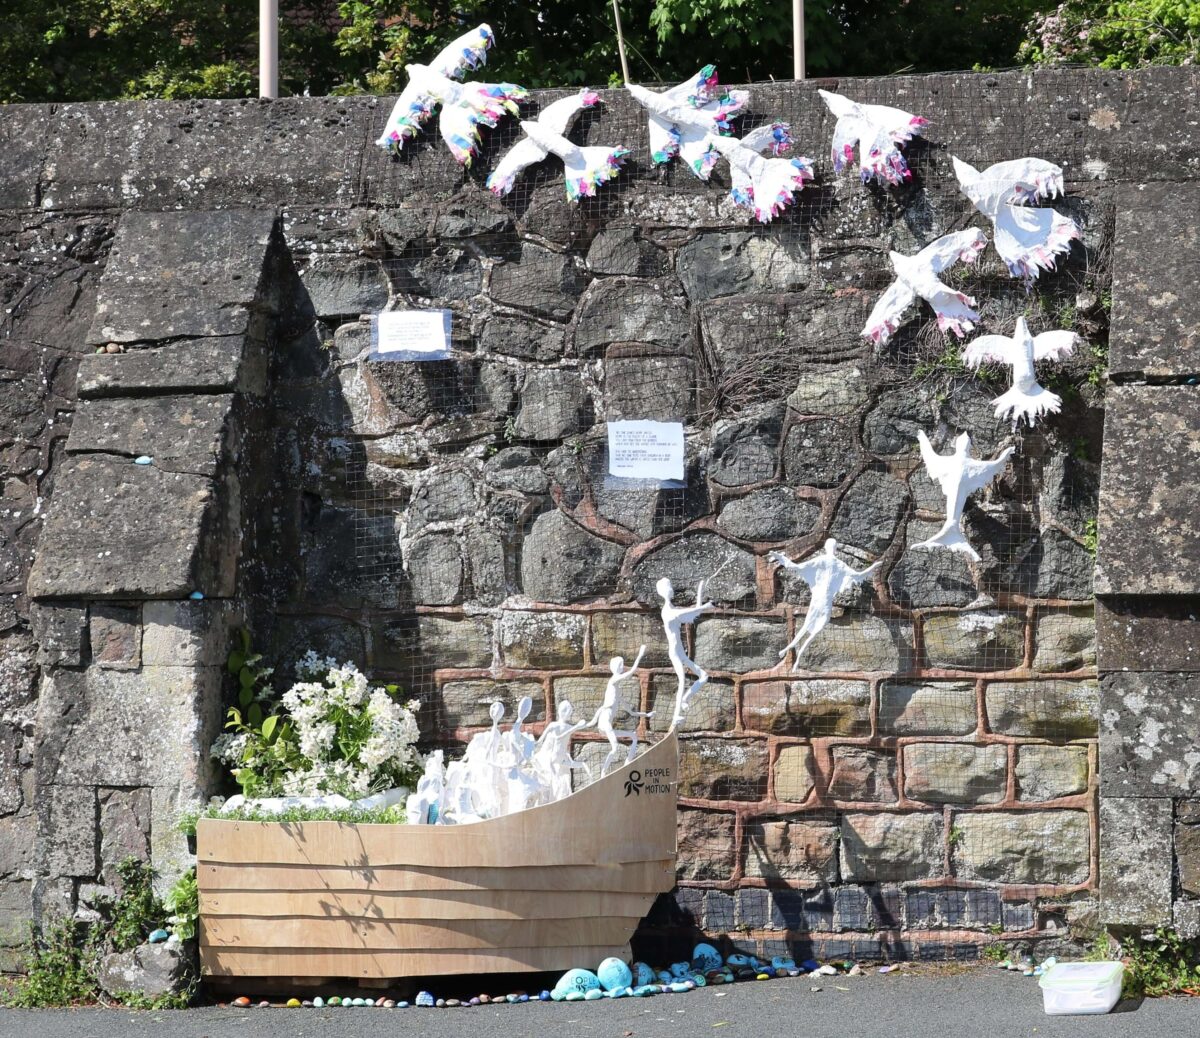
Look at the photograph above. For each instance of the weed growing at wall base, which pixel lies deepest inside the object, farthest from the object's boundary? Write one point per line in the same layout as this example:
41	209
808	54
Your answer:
1164	964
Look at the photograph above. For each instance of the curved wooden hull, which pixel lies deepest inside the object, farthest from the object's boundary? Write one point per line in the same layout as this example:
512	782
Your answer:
549	888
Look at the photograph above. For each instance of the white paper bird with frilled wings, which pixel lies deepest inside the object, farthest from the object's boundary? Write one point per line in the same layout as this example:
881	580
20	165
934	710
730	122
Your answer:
682	117
878	131
465	106
959	475
1027	237
585	169
766	186
917	276
1026	399
827	576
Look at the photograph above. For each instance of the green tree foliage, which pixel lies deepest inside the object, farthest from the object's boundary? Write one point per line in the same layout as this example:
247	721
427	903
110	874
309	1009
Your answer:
1115	35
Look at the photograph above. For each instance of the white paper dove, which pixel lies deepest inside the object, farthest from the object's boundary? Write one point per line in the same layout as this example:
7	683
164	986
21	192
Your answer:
1028	238
917	276
959	475
827	576
585	168
1026	399
765	186
465	106
878	131
682	118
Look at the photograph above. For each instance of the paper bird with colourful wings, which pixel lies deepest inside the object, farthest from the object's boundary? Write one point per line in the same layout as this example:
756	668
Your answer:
464	106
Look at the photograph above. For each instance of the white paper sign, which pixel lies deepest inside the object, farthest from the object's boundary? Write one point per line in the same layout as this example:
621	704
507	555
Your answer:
646	450
411	335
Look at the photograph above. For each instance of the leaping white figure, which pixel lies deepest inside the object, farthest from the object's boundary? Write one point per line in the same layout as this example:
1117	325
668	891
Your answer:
917	276
959	475
1027	398
465	106
611	706
673	618
1028	238
827	576
585	168
765	186
552	760
682	117
878	131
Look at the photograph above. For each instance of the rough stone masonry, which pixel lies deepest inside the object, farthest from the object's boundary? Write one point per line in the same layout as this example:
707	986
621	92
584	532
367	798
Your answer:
945	768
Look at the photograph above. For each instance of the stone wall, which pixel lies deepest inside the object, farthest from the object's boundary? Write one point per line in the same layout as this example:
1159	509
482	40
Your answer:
928	780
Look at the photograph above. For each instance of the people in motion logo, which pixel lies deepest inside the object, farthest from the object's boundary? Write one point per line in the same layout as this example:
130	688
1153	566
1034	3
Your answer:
633	784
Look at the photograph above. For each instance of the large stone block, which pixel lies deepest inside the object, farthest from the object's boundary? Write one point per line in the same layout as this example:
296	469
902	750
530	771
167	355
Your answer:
739	644
620	250
586	694
858	642
553	404
562	562
1048	772
955	773
657	389
207	365
445	642
522	338
729	263
1187	855
1135	860
1156	266
346	286
712	709
435	569
538	280
1150	634
807	708
770	514
888	847
161	533
706	845
975	641
1064	641
622	633
1148	541
178	274
69	834
862	774
793	773
179	634
819	453
835	389
693	558
924	579
745	450
794	850
930	708
723	769
623	311
1044	709
125	816
869	512
115	633
542	641
1149	733
1022	847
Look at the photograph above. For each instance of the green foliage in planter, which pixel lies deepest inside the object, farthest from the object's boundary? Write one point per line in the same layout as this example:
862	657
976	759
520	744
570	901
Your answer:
351	816
183	902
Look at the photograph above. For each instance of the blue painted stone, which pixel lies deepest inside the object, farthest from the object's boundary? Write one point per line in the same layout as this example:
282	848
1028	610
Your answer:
577	980
680	986
613	974
523	997
158	936
810	965
401	1005
593	994
335	1001
143	460
783	962
196	596
424	998
642	974
574	996
680	969
543	996
318	1002
706	957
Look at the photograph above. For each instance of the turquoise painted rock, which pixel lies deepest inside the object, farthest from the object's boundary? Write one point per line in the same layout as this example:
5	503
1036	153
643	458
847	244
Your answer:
613	974
577	980
642	974
593	994
705	957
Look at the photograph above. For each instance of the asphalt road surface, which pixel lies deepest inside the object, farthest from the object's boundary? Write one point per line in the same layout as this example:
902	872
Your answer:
973	1003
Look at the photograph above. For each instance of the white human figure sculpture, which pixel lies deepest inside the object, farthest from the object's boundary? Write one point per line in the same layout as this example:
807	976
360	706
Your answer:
421	807
959	475
765	186
917	276
610	707
585	169
878	131
682	117
673	619
465	106
1026	398
827	576
1028	238
482	761
458	803
552	760
521	786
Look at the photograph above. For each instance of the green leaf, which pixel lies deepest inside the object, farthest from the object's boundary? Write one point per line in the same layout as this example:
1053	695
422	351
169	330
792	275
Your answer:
236	661
254	715
245	696
247	677
268	726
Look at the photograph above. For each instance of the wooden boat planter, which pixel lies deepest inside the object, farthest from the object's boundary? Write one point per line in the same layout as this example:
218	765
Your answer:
552	887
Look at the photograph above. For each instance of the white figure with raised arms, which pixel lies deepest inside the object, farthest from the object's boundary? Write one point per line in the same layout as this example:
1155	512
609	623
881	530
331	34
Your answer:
552	760
611	707
673	619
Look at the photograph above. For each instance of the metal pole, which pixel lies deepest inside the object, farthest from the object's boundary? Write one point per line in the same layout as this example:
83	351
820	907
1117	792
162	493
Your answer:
798	38
268	48
621	42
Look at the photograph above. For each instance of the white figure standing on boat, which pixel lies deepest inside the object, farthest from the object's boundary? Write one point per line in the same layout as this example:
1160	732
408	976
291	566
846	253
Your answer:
959	475
422	807
1027	398
552	760
827	576
611	706
521	787
673	619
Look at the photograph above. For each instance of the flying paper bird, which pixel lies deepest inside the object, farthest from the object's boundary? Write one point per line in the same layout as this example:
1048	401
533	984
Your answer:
465	106
682	118
1027	238
585	168
1026	399
917	276
827	576
959	475
763	185
878	131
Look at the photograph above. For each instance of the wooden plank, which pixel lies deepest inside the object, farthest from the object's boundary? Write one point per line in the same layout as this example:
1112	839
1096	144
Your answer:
654	876
444	904
273	962
358	934
624	817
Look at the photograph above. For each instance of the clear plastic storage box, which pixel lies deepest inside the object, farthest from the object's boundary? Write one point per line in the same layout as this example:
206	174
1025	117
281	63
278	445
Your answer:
1081	987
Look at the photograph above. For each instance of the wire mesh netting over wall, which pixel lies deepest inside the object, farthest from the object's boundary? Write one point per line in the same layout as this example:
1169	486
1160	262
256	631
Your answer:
923	777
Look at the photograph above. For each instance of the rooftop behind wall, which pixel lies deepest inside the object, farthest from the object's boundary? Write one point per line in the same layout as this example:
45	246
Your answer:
934	773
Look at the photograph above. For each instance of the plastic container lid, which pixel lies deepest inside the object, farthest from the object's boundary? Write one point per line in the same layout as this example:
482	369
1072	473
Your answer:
1077	976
